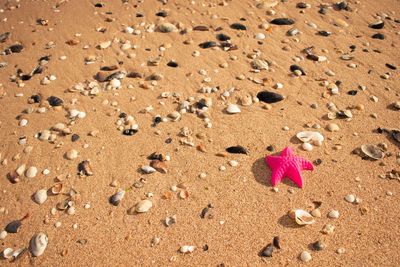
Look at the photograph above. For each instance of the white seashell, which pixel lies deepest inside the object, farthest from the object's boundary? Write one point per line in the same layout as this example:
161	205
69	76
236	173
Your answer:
305	256
232	109
259	64
31	172
167	27
333	214
40	196
310	136
38	244
301	217
143	206
23	122
71	154
350	198
259	36
307	146
148	169
81	114
129	29
3	234
187	249
332	127
7	253
73	113
372	151
104	45
115	83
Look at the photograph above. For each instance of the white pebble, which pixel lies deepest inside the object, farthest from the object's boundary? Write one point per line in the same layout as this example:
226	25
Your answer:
333	214
350	198
307	146
3	235
57	224
233	163
305	256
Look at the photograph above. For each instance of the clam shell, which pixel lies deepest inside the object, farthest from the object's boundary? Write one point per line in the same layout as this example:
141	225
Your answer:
56	189
38	244
259	64
308	136
167	27
372	151
117	197
85	168
40	196
148	169
7	253
143	206
232	109
13	226
301	217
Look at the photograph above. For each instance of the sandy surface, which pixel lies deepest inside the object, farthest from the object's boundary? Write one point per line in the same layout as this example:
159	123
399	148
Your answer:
247	212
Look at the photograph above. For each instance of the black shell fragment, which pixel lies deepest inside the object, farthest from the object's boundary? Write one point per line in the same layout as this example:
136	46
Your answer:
15	48
238	26
379	36
390	66
55	101
377	25
222	37
276	242
282	21
295	67
208	44
13	226
269	97
267	251
237	150
162	13
324	33
352	92
129	132
172	64
200	28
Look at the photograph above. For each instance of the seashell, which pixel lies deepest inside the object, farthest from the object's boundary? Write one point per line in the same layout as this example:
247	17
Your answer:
167	27
332	127
18	253
377	25
331	115
183	194
293	32
31	172
269	97
276	242
201	28
282	21
55	101
85	168
71	154
187	249
396	135
143	206
208	44
267	251
340	23
129	132
232	109
14	226
259	64
238	26
16	48
236	150
267	4
310	136
160	166
344	114
147	169
117	197
324	33
301	217
38	244
372	151
222	37
56	189
174	116
7	253
40	196
63	205
172	64
379	36
170	220
104	45
294	68
5	36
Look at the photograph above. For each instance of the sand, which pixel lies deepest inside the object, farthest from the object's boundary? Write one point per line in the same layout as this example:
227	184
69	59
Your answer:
247	211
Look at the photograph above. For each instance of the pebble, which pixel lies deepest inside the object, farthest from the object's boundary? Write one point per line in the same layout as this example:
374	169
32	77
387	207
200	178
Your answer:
350	198
3	235
332	127
305	256
40	196
233	163
143	206
328	229
31	172
333	214
71	154
259	36
307	146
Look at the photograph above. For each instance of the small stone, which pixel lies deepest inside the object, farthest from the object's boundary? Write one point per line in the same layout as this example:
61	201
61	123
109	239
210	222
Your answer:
104	45
307	146
143	206
259	36
71	210
332	127
340	251
3	235
71	154
328	229
57	224
316	213
31	172
305	256
350	198
40	196
318	245
233	163
333	214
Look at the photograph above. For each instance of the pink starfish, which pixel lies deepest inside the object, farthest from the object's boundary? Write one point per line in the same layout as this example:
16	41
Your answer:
287	165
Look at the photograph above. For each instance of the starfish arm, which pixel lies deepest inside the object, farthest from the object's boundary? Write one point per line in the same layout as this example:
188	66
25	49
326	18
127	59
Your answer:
273	161
277	176
294	174
305	164
287	152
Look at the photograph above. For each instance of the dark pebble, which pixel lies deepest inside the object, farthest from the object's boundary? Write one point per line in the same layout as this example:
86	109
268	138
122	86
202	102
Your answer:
205	247
168	140
282	21
269	97
99	5
318	162
129	132
74	137
172	64
267	251
155	156
109	68
122	115
200	28
162	13
236	150
223	37
379	36
13	226
323	10
36	98
301	5
270	148
55	101
324	33
4	36
318	245
341	6
390	66
16	48
157	119
377	25
296	67
352	92
208	44
238	26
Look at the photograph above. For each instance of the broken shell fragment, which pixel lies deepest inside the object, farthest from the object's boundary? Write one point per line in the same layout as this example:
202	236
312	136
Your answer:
13	226
38	244
301	217
85	168
259	64
372	151
7	253
160	166
170	220
147	169
187	249
117	197
56	189
143	206
40	196
310	136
